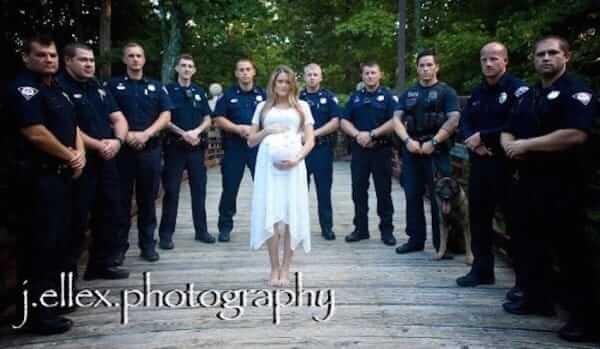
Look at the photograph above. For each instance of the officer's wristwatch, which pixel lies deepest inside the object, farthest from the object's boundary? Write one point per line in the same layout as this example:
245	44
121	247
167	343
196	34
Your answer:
406	140
434	142
371	134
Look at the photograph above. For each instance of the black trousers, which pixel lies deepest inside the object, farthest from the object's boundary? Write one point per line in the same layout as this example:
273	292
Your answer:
489	183
44	222
549	231
97	201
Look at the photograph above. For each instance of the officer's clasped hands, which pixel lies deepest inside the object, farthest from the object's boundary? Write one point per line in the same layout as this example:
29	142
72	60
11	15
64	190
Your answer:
110	148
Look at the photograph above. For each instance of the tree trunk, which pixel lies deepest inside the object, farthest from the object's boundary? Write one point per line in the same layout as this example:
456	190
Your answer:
401	70
418	25
105	42
172	38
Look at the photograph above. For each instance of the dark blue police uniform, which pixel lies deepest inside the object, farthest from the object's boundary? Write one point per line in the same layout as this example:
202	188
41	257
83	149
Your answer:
425	111
95	190
319	162
487	112
141	101
238	107
190	107
549	187
45	188
367	111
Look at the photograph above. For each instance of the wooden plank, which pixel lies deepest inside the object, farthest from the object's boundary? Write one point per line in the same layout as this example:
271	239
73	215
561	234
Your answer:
382	299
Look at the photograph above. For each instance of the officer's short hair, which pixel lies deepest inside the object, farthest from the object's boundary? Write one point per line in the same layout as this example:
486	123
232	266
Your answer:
186	56
70	50
427	52
41	39
245	59
563	44
369	64
132	44
312	66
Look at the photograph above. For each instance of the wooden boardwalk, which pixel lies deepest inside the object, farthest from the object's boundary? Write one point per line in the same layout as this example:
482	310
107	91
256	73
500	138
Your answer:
381	299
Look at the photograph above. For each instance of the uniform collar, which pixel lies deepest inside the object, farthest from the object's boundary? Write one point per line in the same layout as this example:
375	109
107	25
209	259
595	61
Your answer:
305	92
33	76
377	91
143	79
70	80
239	90
430	86
184	87
500	84
556	85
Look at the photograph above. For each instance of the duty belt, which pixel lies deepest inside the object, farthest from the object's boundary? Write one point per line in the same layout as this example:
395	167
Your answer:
57	169
380	143
182	144
152	143
327	139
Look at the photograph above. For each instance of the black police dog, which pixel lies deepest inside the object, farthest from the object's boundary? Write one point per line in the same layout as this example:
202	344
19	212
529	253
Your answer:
454	215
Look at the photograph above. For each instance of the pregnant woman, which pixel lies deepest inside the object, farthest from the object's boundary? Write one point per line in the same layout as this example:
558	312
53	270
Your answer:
283	126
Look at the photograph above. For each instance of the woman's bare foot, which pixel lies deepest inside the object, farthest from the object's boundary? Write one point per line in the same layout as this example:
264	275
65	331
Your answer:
284	276
274	282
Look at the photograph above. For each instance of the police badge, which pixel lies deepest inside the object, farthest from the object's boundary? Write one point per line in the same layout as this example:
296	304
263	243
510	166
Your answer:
502	98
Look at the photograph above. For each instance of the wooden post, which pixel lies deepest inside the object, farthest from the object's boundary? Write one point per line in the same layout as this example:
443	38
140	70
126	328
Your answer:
401	70
105	42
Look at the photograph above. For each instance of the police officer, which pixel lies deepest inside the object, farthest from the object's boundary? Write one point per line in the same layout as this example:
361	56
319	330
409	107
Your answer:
319	162
146	105
233	114
50	154
366	121
482	120
184	149
103	129
426	118
546	135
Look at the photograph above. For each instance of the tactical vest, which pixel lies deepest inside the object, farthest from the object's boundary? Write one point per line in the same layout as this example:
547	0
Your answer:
423	119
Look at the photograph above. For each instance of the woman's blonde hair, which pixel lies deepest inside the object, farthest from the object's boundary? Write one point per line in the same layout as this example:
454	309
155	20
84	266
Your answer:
292	96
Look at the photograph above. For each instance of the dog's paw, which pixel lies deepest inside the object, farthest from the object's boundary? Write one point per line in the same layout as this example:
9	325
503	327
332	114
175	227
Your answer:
437	256
469	259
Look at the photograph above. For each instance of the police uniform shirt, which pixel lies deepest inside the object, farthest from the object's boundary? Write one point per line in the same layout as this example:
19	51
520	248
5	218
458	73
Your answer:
488	109
93	104
190	105
141	101
323	106
369	110
419	100
35	103
238	105
566	104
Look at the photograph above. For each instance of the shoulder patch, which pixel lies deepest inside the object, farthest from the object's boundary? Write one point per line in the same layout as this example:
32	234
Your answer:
583	97
28	92
521	90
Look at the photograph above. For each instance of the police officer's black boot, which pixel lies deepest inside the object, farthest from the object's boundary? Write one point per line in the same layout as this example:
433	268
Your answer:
473	279
577	330
525	306
357	236
44	321
224	236
106	273
409	247
328	235
388	239
206	237
514	294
